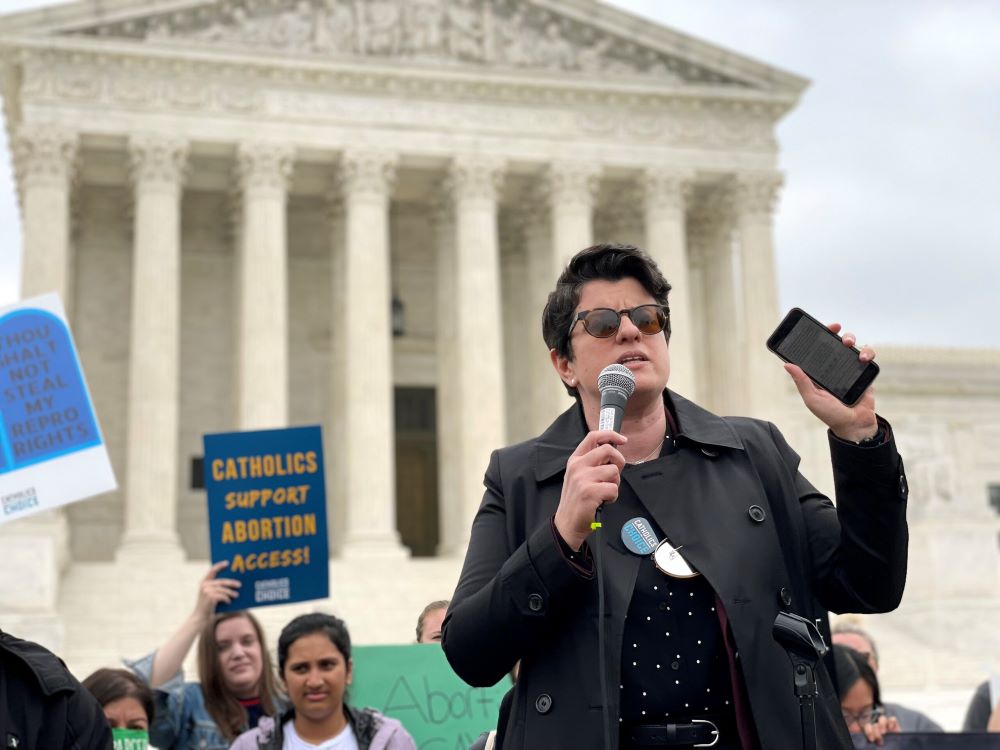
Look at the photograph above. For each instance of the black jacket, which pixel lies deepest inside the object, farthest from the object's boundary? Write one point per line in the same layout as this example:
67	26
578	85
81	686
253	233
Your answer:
762	536
42	706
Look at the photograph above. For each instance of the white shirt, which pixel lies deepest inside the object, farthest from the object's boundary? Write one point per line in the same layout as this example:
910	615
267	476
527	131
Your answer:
343	741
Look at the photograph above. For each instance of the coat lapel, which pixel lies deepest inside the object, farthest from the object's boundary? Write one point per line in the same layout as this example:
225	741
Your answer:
554	446
699	495
694	503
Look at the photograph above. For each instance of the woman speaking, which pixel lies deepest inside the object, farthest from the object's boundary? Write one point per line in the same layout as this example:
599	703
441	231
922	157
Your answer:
707	531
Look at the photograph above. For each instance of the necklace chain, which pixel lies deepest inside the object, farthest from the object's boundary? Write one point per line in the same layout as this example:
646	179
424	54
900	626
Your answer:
652	452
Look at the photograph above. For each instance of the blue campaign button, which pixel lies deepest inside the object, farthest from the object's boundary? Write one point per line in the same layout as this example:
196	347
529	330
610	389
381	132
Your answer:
639	537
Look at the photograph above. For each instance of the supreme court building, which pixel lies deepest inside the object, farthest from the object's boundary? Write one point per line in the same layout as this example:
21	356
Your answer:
262	213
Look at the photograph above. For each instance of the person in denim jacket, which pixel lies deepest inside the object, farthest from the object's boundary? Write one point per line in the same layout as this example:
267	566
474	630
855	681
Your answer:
237	685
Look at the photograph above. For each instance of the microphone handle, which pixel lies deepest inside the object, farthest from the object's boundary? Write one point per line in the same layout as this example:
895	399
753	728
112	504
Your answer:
611	418
612	410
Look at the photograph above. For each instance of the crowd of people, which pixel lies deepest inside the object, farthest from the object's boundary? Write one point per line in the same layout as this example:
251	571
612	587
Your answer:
241	703
676	638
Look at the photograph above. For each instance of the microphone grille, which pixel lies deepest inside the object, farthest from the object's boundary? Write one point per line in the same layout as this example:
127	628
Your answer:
616	377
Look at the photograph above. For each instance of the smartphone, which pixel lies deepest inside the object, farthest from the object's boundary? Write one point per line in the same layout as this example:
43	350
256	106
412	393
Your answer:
804	341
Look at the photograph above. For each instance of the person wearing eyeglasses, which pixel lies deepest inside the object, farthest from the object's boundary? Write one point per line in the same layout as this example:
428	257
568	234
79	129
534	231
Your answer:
856	637
707	530
860	698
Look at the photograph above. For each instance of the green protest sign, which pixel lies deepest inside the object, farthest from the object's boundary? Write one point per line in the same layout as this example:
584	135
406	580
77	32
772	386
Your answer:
130	739
416	685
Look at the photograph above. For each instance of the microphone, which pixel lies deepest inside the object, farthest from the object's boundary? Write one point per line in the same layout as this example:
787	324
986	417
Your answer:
616	383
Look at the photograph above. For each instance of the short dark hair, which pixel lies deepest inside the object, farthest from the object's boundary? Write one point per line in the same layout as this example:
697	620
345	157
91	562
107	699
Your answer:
439	604
852	666
110	685
609	262
314	622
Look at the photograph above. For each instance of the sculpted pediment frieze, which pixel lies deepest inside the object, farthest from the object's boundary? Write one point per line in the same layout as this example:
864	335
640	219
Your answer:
512	34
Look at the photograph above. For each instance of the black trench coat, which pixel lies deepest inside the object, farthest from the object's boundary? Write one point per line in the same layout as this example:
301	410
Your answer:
518	598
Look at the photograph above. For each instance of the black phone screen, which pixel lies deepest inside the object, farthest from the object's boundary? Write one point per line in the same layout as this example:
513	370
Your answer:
804	341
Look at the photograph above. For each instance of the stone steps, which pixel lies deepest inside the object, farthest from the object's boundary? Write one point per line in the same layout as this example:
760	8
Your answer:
116	610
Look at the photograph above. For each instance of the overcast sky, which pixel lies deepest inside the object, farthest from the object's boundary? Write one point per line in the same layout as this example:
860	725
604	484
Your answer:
890	216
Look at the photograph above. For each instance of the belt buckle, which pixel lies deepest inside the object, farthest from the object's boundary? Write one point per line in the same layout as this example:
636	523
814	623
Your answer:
715	731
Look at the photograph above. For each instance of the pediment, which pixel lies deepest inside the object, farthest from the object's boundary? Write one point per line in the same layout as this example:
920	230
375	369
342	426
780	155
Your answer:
573	37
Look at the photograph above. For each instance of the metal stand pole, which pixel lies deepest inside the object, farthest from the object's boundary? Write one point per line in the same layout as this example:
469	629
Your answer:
805	647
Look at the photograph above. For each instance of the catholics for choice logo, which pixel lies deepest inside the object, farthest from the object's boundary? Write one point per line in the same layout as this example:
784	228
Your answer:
20	501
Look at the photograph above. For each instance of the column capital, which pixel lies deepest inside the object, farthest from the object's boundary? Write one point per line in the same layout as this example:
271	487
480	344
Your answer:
666	189
367	171
264	166
572	183
756	193
159	160
474	176
45	154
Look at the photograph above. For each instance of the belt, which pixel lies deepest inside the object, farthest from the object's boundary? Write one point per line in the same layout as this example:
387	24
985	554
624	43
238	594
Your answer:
696	733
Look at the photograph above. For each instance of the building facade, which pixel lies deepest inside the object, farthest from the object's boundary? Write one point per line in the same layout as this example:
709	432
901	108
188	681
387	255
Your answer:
262	213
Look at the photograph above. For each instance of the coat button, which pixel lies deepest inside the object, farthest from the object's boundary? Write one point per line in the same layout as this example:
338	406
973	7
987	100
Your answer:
675	665
756	513
543	704
662	606
710	452
535	602
786	597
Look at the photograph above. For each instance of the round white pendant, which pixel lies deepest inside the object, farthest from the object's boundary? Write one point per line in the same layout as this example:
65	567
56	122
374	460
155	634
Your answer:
669	561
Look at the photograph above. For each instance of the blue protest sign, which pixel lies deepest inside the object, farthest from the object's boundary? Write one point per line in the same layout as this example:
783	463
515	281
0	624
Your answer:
267	514
45	409
51	449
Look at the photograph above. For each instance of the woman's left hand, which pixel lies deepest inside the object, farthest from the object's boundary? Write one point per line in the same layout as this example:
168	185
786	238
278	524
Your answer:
851	423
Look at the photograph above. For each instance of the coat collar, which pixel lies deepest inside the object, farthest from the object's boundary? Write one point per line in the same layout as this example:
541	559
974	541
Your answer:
697	425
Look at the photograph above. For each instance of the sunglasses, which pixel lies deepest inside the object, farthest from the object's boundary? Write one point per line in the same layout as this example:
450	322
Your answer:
603	322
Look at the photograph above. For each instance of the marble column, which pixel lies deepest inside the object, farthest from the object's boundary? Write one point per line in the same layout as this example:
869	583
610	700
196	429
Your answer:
718	328
157	170
522	331
755	196
262	171
367	435
548	397
665	193
336	468
572	188
473	183
569	189
451	515
45	164
35	549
